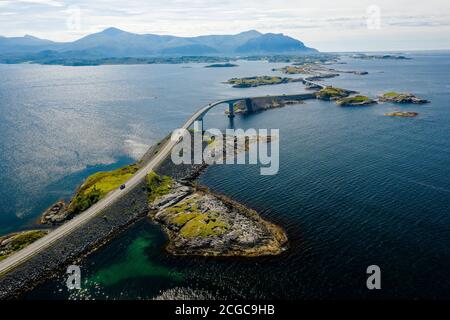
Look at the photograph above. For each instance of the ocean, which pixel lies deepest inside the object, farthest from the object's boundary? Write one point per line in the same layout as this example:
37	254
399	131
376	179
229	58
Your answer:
354	188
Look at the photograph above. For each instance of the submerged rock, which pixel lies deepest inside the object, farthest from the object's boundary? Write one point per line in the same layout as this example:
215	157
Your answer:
406	114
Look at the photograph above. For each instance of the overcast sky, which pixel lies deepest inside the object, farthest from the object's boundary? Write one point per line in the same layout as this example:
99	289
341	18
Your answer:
339	25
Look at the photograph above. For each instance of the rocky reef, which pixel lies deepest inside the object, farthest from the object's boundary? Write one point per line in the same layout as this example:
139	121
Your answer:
401	98
405	114
94	188
198	222
380	57
57	213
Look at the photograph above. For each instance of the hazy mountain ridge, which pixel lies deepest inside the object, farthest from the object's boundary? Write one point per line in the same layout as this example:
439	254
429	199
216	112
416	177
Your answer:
113	42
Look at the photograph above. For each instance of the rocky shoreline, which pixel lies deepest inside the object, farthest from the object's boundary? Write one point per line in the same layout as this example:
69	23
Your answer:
134	206
200	223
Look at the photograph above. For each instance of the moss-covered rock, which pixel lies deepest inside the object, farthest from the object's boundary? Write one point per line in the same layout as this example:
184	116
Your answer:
99	185
157	185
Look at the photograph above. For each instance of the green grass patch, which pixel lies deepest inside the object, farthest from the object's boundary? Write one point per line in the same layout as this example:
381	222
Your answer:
391	94
98	185
203	225
157	186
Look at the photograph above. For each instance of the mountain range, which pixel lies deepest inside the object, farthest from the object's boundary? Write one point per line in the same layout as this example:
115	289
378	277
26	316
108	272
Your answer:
113	42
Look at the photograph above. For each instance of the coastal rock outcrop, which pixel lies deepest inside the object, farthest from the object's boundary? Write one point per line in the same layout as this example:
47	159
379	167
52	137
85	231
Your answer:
259	81
332	93
401	98
57	213
210	225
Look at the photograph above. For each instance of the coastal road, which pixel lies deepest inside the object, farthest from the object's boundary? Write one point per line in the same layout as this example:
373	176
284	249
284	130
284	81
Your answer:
23	255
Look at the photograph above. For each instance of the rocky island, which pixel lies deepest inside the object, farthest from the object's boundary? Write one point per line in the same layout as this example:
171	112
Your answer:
90	192
198	222
405	114
357	100
401	98
259	81
222	65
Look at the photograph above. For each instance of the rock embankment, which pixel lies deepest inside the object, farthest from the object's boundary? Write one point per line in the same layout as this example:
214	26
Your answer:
56	214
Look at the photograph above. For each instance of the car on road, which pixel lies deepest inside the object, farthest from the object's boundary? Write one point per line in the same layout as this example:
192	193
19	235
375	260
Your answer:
122	187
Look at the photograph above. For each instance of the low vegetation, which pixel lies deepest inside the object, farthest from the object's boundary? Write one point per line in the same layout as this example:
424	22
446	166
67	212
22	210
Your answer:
397	97
98	185
195	223
17	241
157	185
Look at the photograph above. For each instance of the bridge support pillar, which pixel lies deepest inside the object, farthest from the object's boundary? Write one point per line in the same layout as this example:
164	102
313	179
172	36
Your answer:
230	110
199	125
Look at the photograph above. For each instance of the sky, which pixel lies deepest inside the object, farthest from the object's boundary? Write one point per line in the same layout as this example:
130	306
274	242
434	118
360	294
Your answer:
339	25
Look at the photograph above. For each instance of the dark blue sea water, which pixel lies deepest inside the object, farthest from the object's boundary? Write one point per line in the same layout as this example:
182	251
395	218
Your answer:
355	188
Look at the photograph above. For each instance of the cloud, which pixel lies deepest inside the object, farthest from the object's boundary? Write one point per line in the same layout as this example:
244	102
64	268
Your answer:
52	3
316	20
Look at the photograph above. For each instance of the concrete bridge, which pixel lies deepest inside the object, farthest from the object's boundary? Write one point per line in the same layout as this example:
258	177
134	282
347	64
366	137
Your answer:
199	115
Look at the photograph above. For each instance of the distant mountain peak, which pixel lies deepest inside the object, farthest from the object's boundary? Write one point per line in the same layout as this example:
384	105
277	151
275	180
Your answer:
114	42
251	33
113	31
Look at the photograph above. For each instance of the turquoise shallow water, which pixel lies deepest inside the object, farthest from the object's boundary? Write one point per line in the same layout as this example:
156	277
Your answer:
354	188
